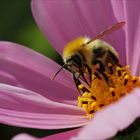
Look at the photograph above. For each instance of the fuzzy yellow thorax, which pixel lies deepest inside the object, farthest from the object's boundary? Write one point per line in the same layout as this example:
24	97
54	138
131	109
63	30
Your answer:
74	46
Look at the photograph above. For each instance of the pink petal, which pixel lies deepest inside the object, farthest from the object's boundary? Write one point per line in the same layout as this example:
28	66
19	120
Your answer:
131	8
112	119
25	108
118	9
63	21
25	68
7	78
136	53
62	136
24	137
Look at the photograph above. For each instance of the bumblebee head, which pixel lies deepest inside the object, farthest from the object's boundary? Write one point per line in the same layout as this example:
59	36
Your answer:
72	54
72	57
74	62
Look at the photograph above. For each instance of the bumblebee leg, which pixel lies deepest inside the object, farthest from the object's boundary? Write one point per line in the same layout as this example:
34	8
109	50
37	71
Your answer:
101	70
119	65
115	60
101	66
89	73
97	75
113	57
77	82
110	69
84	79
105	77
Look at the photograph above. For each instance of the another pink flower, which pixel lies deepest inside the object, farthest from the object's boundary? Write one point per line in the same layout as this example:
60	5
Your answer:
30	99
24	137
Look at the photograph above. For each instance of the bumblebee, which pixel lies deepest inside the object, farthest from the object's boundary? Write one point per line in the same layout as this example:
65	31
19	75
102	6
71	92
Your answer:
83	54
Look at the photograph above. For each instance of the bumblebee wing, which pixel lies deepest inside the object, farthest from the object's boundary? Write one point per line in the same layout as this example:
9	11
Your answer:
107	31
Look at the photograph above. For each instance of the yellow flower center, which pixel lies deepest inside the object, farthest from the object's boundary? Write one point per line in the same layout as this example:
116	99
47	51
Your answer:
102	93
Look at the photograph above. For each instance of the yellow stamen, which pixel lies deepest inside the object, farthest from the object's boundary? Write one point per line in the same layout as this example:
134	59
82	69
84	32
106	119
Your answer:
80	86
101	93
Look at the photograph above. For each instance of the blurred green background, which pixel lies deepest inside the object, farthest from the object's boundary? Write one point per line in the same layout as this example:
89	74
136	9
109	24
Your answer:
17	25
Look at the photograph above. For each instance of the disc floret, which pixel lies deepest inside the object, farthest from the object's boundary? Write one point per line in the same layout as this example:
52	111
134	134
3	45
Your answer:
101	93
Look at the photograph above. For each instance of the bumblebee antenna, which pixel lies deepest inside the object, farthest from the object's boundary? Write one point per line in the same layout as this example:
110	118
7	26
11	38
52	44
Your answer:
107	31
58	72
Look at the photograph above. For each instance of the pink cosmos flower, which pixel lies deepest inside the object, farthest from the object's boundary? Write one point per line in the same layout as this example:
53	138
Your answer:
30	99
